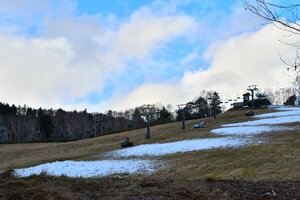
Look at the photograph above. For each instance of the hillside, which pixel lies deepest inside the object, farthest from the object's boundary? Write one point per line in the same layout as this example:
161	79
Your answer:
269	165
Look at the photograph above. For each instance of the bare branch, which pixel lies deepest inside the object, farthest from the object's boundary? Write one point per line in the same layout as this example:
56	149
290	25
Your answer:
272	13
269	12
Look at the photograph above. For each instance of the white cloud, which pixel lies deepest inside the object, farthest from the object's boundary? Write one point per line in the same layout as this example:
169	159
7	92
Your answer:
25	6
76	55
250	58
37	71
147	31
145	94
29	8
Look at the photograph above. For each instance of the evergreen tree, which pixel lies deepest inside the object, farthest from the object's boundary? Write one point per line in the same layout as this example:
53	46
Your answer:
31	112
13	109
40	112
202	107
163	115
291	100
215	102
187	110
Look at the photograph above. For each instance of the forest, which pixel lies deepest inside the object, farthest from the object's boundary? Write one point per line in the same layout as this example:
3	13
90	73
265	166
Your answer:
26	124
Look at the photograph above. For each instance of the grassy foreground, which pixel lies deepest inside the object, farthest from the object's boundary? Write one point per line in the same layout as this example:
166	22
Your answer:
265	171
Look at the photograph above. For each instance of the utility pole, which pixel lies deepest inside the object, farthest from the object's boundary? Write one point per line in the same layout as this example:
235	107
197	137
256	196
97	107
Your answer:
182	109
148	111
252	88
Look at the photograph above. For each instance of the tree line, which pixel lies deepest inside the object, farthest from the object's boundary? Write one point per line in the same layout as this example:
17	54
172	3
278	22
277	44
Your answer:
23	123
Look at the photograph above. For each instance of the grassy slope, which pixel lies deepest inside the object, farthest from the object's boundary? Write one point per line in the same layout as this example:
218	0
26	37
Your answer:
23	155
260	168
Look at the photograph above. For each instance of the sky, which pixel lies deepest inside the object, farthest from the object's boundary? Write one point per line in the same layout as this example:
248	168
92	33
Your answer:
102	55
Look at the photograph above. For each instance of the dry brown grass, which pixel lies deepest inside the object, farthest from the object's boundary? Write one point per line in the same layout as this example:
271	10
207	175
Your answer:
23	155
140	187
265	171
275	160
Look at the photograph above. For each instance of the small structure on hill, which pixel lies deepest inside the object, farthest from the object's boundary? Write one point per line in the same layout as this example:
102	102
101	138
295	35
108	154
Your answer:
238	104
260	102
246	97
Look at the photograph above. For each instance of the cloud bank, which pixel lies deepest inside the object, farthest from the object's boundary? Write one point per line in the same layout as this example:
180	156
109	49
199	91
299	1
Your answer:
235	63
59	58
76	55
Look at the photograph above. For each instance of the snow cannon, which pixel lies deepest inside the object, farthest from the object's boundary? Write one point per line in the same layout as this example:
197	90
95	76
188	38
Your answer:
200	125
127	143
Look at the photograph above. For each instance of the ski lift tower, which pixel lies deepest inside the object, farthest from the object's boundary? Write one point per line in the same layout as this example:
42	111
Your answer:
252	88
148	111
182	109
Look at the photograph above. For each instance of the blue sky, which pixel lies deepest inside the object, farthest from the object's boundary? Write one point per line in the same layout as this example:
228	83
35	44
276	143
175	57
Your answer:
115	54
126	8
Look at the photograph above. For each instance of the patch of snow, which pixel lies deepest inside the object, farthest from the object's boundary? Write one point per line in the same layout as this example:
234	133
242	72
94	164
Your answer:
267	121
274	106
177	147
88	169
288	108
248	130
279	114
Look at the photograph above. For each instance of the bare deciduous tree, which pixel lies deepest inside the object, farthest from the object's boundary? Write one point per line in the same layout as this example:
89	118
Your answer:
285	17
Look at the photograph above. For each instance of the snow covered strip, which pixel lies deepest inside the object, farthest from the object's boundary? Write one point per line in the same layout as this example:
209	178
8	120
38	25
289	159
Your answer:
88	169
288	108
267	121
177	147
248	130
278	114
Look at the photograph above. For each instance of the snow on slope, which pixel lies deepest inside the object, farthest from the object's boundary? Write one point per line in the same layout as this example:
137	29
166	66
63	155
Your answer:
89	169
248	130
176	147
286	115
278	114
267	121
288	108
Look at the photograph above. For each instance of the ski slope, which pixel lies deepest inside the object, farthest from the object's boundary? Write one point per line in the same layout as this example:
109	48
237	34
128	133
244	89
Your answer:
236	134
